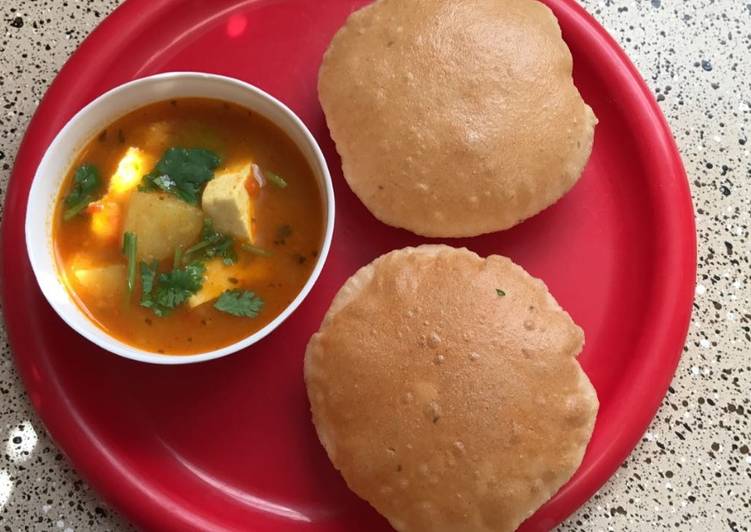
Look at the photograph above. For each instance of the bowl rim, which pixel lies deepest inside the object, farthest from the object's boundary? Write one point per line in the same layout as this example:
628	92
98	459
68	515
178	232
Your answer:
86	326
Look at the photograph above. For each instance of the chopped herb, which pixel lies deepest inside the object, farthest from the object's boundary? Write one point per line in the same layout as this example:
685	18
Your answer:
274	179
282	234
86	182
255	250
148	275
166	183
130	243
203	244
500	292
239	303
212	244
182	172
174	288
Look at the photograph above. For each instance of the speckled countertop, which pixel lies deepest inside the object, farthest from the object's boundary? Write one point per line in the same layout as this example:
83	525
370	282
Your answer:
692	469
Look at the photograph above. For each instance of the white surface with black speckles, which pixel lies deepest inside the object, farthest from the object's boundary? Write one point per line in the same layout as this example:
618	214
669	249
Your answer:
692	469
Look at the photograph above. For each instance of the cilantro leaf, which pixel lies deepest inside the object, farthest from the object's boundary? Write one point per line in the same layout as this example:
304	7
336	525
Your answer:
213	244
86	182
148	276
255	250
275	179
166	183
239	303
174	288
182	172
130	245
499	292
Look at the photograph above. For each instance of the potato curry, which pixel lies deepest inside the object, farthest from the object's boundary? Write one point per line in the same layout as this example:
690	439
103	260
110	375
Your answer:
187	225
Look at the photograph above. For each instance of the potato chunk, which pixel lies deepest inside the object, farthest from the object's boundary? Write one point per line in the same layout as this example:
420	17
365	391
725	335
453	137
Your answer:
162	223
220	277
227	202
104	283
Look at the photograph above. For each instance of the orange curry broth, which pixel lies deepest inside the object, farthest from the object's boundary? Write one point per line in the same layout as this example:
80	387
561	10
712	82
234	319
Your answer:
237	136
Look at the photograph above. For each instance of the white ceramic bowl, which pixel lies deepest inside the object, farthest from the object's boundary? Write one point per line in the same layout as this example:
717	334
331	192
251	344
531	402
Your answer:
101	113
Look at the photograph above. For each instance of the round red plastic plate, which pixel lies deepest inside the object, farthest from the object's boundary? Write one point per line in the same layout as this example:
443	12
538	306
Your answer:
229	444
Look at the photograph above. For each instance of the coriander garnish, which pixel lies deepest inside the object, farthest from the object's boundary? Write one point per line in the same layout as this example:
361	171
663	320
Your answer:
148	276
173	288
499	292
130	242
239	303
274	179
255	250
182	172
86	182
212	244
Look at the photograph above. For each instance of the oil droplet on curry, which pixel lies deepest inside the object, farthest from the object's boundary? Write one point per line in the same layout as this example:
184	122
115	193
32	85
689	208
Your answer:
187	225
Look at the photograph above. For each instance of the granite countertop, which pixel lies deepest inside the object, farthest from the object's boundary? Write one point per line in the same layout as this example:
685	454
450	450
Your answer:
692	469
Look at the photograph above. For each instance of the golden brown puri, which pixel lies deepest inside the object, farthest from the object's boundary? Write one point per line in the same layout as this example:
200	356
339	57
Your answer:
446	390
455	117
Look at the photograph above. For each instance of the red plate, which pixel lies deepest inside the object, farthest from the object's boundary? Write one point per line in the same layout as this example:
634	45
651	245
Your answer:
229	444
